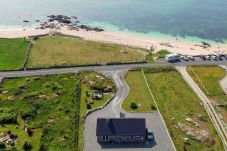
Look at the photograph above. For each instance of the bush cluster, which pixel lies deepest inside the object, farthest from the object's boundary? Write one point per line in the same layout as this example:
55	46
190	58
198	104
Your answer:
133	106
159	69
8	117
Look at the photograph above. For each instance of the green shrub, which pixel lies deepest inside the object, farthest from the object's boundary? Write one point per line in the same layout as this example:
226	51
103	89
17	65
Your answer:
133	106
8	117
27	146
29	113
158	69
150	57
42	148
2	145
88	106
56	86
163	53
153	107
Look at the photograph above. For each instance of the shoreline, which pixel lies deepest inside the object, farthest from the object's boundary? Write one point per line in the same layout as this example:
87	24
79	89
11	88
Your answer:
173	45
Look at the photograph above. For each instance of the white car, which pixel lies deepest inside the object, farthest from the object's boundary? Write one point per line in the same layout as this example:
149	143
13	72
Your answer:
185	58
191	58
172	57
150	135
208	57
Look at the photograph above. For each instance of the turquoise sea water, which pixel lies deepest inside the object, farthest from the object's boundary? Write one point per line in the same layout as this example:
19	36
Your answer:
205	19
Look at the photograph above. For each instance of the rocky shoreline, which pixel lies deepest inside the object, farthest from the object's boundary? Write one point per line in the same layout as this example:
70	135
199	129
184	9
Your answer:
59	21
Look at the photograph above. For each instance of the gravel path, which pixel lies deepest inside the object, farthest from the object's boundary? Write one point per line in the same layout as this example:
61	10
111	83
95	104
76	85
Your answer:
218	123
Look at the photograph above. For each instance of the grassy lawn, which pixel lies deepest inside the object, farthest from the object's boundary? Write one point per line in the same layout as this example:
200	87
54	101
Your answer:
163	53
50	108
12	53
177	102
91	81
58	50
138	93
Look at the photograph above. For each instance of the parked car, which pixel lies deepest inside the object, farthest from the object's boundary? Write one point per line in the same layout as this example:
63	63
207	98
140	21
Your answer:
208	57
191	58
225	56
220	57
185	58
150	135
172	57
203	57
214	57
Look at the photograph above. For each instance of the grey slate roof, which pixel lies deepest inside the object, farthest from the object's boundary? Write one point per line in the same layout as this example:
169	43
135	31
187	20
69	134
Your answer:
121	127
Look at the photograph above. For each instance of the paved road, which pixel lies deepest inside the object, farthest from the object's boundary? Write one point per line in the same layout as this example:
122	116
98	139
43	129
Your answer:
218	123
102	68
153	120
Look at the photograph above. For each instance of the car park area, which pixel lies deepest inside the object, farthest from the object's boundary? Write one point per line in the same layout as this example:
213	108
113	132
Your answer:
173	58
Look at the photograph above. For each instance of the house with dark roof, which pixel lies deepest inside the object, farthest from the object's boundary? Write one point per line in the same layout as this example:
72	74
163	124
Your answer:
121	130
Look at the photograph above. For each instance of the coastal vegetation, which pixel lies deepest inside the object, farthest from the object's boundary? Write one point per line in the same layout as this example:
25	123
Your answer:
163	53
208	79
52	51
139	98
187	121
47	112
12	53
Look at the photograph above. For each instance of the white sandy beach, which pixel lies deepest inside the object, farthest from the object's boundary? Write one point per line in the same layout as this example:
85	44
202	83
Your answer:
176	46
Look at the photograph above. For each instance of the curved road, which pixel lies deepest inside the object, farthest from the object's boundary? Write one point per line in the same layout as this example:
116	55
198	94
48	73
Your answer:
153	120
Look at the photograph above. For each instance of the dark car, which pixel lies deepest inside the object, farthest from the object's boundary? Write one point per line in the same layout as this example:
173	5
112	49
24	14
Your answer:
150	135
220	57
214	57
225	56
203	57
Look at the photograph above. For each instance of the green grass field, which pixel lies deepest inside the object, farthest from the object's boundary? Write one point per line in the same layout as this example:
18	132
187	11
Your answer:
12	53
138	93
58	51
51	106
177	102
